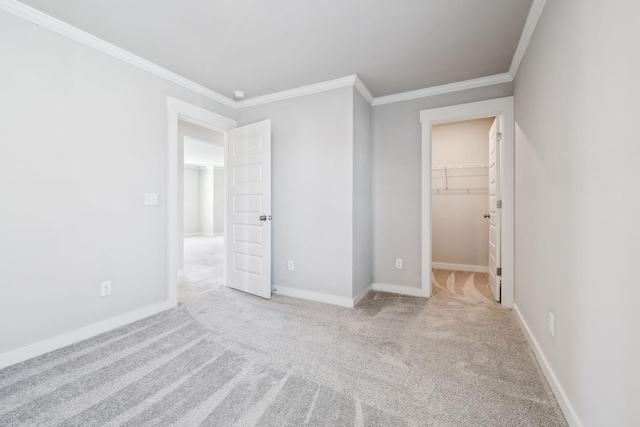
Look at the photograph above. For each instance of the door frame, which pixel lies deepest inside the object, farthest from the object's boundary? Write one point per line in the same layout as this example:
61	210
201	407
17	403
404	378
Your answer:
475	110
180	110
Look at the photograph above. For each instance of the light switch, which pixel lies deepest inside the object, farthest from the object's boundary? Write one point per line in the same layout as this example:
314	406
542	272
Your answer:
150	199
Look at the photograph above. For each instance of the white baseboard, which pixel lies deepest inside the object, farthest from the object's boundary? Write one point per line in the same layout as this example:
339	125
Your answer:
567	409
33	350
314	296
218	234
191	234
361	295
460	267
398	289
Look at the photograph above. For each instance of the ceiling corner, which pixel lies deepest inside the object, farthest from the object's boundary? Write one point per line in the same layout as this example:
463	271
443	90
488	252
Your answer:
360	86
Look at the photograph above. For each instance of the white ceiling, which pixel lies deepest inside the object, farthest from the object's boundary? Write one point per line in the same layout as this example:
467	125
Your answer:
263	47
202	153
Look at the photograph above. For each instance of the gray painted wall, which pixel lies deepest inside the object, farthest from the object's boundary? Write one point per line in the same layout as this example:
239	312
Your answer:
191	201
206	201
218	201
397	181
93	132
198	200
361	193
312	199
577	210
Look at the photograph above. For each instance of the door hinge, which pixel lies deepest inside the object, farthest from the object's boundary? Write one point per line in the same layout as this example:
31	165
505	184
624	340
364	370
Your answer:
499	204
499	271
499	136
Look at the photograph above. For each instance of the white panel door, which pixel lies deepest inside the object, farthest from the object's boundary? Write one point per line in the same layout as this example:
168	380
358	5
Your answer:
250	208
495	139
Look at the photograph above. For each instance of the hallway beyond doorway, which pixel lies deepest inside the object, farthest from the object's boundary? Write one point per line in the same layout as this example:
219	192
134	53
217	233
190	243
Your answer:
203	266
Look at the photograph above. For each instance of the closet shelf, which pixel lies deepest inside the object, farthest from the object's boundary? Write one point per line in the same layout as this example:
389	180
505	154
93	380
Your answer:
446	172
460	171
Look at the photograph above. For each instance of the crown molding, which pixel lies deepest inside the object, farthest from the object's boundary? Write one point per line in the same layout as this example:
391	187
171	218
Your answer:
439	90
39	18
203	166
363	90
300	91
527	32
194	166
35	16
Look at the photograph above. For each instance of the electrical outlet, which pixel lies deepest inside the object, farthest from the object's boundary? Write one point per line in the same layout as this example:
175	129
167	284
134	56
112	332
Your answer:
552	324
290	265
105	288
399	263
150	199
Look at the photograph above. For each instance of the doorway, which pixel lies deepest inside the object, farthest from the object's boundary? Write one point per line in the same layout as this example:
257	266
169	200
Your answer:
203	204
462	226
182	112
503	108
247	199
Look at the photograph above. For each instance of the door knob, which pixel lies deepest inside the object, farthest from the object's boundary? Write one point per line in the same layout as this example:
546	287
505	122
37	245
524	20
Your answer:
263	217
487	215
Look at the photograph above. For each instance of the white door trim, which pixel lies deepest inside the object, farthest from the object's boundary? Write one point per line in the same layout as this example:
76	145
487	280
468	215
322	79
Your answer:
180	110
474	110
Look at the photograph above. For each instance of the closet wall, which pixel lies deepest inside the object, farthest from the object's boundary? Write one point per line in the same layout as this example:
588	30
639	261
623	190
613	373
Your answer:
460	196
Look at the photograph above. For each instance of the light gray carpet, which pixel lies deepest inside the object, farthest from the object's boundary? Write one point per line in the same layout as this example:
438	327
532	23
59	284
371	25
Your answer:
225	358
